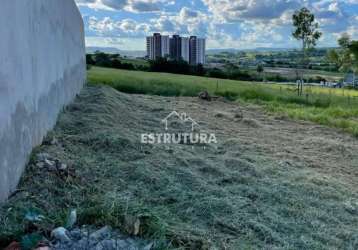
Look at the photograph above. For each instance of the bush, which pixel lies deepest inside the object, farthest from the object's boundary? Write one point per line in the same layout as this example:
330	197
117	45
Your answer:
175	67
108	61
216	73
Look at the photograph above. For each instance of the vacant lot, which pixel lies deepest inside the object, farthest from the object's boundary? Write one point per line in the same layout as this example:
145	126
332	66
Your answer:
332	107
291	73
269	182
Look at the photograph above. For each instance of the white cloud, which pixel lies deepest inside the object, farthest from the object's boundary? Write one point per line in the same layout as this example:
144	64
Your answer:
128	5
237	10
123	28
225	23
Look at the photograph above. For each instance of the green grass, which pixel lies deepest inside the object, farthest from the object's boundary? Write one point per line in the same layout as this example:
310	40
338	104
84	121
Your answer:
135	62
189	198
332	107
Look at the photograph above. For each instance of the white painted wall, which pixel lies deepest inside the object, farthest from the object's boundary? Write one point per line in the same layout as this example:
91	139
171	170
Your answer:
42	67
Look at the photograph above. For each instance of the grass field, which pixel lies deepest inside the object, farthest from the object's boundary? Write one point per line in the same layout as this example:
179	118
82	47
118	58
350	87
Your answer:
267	184
332	107
135	62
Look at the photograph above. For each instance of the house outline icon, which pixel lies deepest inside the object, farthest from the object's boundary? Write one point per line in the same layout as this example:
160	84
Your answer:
183	117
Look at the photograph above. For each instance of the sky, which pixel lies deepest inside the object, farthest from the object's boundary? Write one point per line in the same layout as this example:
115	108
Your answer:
238	24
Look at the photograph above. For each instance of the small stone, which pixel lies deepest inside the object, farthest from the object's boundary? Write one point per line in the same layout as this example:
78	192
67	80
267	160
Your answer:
40	165
204	95
351	207
148	247
51	165
76	234
84	243
61	166
101	234
61	234
107	245
42	156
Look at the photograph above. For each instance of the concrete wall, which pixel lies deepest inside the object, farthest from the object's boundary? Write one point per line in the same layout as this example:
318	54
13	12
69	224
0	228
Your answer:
42	67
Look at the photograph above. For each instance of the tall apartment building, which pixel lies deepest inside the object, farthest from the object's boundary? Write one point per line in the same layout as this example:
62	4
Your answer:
191	50
157	46
150	47
197	50
175	47
165	46
185	49
200	50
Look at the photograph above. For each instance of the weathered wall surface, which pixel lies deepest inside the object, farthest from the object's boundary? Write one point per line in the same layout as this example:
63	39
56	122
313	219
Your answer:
42	67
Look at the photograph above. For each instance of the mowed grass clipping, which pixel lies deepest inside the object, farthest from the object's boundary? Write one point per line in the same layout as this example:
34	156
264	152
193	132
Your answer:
233	195
332	107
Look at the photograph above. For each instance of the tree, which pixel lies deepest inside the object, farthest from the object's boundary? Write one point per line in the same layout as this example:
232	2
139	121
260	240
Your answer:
353	48
346	57
200	70
89	59
306	31
102	59
260	69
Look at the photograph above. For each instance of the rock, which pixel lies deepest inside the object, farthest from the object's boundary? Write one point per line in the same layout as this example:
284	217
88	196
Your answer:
76	234
61	234
50	165
101	234
112	244
40	165
34	217
148	247
204	95
61	166
84	243
351	207
42	157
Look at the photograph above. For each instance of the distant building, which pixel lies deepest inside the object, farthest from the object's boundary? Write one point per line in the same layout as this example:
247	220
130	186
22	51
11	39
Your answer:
191	50
200	50
185	49
175	47
165	46
157	46
197	50
150	47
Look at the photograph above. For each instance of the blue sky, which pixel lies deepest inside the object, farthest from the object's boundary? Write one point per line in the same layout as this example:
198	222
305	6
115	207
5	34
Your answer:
240	24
